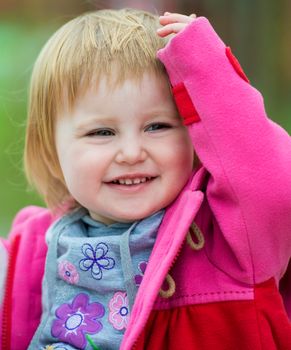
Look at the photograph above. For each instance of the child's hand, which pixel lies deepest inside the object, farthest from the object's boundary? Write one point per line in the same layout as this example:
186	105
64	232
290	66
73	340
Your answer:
173	23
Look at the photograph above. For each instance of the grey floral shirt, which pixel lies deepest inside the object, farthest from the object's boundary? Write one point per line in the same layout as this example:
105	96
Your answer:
91	278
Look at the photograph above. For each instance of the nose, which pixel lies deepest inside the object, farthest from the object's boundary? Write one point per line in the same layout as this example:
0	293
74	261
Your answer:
131	151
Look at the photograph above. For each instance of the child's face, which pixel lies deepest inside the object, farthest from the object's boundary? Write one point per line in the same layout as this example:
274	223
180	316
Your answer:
124	153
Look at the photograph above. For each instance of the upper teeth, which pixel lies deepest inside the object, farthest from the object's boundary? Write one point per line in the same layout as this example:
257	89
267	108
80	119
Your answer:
135	181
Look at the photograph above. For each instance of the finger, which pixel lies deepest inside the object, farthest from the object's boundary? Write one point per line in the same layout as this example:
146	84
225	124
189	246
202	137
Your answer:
172	28
175	18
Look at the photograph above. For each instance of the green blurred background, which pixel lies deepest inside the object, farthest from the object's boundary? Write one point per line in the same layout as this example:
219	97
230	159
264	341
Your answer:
259	32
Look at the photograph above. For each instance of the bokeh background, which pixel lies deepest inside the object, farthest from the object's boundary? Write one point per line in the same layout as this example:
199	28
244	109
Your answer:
259	32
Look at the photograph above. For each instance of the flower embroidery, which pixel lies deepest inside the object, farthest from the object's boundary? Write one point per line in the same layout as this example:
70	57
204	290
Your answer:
96	260
68	272
76	319
142	267
119	311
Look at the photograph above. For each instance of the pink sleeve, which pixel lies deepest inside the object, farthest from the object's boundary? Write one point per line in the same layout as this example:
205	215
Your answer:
247	155
24	215
27	253
20	217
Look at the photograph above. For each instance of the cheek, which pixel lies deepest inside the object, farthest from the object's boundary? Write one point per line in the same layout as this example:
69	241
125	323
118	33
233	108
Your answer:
183	154
178	166
177	160
75	168
86	168
73	177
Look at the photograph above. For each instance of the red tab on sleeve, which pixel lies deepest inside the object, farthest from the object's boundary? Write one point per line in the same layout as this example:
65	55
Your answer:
235	63
185	105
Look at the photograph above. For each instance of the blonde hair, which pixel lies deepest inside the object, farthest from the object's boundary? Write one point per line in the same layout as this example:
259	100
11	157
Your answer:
74	57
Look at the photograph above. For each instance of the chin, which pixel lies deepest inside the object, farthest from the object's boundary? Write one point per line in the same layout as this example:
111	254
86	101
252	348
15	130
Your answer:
136	216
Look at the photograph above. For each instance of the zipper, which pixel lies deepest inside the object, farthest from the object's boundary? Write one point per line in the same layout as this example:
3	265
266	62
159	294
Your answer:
7	300
193	230
134	346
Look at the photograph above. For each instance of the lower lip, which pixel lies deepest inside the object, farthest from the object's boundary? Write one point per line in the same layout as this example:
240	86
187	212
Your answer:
130	188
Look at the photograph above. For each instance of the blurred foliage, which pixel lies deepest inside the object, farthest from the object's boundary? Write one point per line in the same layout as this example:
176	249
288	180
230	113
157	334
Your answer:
20	44
258	31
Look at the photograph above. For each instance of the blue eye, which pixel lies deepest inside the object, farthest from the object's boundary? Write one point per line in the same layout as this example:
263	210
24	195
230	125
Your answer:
101	133
157	127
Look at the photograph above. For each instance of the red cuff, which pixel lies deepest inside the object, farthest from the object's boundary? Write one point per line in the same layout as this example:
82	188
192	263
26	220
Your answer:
235	63
185	105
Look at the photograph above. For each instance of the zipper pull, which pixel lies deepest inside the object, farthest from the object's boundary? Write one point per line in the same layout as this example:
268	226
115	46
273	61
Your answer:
199	242
171	288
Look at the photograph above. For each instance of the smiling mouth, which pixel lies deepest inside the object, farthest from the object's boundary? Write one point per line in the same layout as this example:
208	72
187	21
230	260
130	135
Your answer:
132	182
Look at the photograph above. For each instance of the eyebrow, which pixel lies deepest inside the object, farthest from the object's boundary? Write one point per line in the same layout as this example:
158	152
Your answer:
156	114
95	120
102	119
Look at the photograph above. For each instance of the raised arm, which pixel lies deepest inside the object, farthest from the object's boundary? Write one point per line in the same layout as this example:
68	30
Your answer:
247	155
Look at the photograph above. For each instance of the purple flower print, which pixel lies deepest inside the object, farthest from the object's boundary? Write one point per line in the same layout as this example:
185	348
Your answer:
96	260
119	311
77	319
68	272
142	267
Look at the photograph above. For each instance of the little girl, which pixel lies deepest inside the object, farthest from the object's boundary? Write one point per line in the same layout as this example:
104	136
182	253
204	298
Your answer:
150	248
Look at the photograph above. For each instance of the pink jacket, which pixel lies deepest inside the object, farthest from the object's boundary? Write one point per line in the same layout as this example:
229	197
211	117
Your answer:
21	310
240	199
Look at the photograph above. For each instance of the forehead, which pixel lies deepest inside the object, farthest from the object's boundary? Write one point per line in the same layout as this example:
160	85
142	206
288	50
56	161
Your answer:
145	92
110	83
